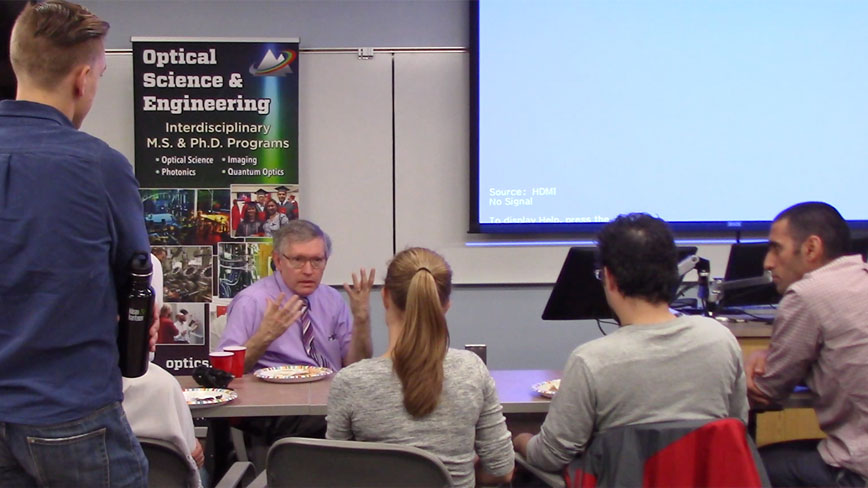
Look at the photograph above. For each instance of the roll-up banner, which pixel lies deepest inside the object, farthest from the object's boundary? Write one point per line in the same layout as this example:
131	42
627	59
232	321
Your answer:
216	156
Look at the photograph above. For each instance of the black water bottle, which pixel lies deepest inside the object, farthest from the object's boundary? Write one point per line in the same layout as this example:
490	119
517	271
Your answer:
136	317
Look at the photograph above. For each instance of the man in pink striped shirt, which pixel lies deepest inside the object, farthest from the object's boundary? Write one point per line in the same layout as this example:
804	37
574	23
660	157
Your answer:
820	335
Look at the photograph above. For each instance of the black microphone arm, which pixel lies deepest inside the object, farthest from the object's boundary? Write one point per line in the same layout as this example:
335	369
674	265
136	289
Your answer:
720	287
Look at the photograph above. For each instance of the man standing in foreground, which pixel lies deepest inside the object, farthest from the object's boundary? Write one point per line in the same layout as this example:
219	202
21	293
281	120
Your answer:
61	421
656	367
820	335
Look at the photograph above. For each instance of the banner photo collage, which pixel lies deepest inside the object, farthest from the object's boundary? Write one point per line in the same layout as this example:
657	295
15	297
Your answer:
216	156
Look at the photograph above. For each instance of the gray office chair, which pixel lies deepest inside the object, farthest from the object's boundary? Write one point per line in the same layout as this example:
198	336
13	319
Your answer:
312	463
168	467
554	480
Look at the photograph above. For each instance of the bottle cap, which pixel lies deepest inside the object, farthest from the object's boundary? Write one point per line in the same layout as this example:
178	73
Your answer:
140	264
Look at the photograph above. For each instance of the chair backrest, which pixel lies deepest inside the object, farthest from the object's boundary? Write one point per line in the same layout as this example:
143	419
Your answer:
167	466
302	462
709	453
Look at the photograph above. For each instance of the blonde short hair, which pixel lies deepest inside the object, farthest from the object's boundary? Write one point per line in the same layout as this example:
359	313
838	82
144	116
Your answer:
50	38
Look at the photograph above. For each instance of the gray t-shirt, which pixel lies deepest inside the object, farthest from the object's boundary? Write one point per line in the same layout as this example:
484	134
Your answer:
366	403
689	368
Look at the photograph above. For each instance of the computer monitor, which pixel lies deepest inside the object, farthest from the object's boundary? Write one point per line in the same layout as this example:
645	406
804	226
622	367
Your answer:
577	294
746	261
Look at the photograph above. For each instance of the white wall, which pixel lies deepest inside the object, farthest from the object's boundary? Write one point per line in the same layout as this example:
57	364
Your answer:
346	157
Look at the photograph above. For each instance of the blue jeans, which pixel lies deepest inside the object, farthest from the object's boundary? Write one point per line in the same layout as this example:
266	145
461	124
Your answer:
798	463
94	451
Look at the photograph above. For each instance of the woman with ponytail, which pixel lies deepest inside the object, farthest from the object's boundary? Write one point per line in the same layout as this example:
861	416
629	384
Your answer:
421	392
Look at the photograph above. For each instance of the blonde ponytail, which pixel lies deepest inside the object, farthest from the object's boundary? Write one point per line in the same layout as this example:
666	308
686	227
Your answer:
419	282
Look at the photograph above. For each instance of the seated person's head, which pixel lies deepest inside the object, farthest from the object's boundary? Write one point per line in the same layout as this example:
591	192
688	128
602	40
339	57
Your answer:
416	296
421	271
166	311
301	251
57	47
639	254
803	238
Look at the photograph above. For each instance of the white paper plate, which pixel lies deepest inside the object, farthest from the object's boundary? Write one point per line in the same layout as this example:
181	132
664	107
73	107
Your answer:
208	397
293	374
548	388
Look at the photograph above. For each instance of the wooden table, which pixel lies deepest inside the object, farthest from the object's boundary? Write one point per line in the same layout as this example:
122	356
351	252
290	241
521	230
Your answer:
748	330
257	398
523	408
514	389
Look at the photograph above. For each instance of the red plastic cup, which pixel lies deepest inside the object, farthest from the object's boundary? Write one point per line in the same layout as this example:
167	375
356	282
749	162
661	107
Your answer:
221	360
237	359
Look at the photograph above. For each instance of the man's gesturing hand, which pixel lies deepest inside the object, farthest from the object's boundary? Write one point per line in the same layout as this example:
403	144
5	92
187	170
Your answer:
279	315
360	293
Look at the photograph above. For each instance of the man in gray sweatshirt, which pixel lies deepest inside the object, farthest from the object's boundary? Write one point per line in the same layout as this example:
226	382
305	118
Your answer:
656	367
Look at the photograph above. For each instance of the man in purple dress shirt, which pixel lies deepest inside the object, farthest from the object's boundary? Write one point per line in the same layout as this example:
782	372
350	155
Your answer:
264	317
820	335
267	317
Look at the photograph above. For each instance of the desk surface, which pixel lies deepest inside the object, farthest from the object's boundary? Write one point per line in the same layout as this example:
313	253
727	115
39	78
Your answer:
257	398
744	330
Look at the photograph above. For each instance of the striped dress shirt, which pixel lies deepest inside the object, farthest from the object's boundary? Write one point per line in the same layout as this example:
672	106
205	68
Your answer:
820	334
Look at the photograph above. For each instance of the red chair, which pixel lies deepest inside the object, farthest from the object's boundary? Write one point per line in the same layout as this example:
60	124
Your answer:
691	453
